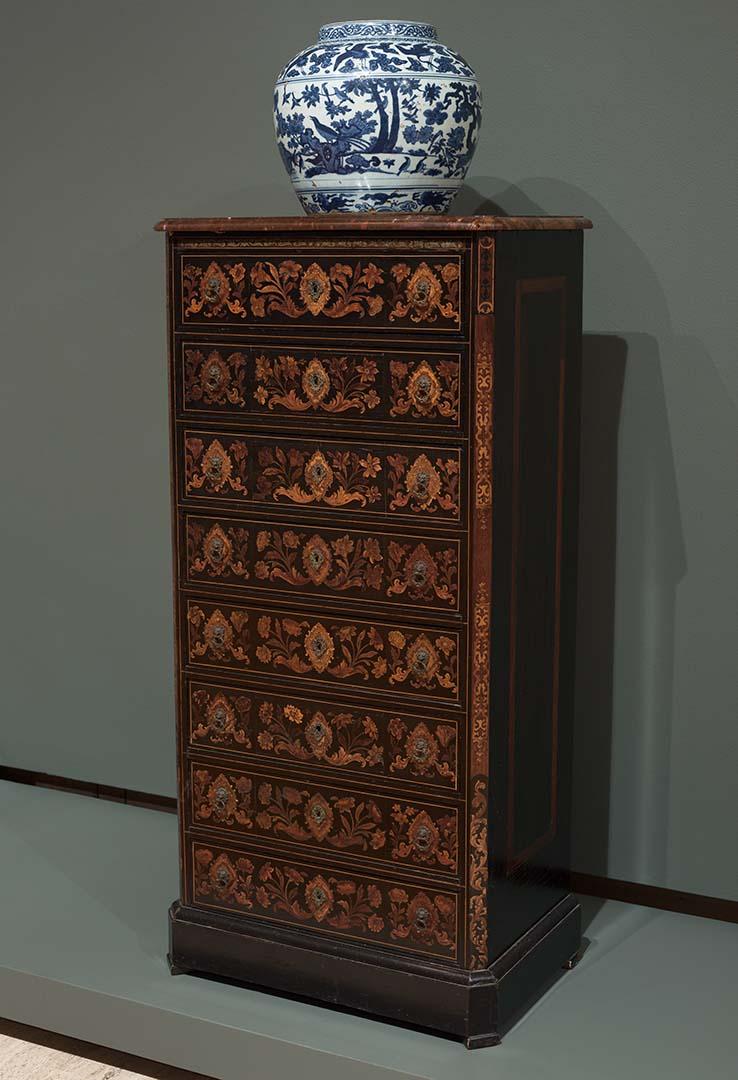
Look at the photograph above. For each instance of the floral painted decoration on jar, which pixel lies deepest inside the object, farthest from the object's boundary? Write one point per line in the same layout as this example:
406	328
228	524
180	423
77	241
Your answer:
378	115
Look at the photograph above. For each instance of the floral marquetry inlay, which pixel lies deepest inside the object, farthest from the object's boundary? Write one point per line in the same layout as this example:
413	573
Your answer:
381	290
426	662
423	485
377	387
345	635
423	390
372	825
335	478
210	467
370	479
422	750
419	919
215	377
331	385
479	706
222	719
223	637
406	660
347	738
350	565
428	292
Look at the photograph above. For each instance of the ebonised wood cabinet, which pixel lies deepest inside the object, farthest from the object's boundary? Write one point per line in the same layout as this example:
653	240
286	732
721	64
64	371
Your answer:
374	481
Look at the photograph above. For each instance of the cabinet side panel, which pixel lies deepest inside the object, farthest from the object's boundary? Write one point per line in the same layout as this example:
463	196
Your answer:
180	727
535	605
538	351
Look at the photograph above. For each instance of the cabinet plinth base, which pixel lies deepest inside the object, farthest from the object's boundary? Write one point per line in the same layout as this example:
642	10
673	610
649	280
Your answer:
474	1006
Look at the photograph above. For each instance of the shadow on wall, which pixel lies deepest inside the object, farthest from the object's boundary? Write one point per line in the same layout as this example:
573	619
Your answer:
631	555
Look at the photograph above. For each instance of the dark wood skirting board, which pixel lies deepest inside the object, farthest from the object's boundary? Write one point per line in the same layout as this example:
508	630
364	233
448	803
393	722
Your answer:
654	896
86	787
116	1059
476	1006
627	892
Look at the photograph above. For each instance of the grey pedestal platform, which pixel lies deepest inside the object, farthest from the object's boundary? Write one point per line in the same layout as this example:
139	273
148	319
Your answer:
84	891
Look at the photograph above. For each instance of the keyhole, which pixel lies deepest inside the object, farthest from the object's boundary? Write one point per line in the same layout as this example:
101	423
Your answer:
423	388
422	918
420	572
423	838
421	660
422	290
219	718
420	752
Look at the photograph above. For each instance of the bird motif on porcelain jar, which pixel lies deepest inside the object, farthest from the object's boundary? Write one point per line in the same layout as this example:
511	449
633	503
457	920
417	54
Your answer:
378	115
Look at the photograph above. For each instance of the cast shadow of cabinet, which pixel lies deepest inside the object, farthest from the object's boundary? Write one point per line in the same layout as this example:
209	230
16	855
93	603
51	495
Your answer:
631	548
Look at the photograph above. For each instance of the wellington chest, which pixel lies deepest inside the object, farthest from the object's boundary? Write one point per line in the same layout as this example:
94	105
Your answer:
374	431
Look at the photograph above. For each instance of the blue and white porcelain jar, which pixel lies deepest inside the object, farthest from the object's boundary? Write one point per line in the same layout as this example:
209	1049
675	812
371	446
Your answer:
377	116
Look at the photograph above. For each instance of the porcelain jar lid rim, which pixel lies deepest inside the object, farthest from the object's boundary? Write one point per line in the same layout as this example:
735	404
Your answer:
381	29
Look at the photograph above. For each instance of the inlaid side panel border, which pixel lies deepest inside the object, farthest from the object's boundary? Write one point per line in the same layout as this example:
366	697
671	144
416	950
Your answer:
479	648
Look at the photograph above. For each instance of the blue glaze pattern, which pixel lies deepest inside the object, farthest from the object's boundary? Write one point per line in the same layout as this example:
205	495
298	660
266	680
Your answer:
386	120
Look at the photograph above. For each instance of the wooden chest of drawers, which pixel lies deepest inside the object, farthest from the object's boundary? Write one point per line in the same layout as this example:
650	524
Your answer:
374	474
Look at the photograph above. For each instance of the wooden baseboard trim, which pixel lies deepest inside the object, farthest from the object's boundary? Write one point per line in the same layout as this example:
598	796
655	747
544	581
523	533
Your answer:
628	892
85	787
92	1052
633	892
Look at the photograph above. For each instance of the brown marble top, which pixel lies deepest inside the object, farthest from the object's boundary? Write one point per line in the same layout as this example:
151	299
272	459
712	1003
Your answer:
370	223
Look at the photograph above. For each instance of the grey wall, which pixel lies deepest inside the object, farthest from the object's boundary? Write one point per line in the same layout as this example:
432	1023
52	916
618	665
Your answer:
117	114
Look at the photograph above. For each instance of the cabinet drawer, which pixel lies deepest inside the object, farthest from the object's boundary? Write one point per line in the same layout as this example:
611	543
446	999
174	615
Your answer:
404	291
358	906
294	560
415	482
381	657
338	386
353	740
367	825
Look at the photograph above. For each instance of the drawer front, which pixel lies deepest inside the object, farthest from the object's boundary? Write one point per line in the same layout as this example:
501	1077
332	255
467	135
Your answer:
410	662
420	483
324	735
368	825
365	908
350	386
404	291
341	564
